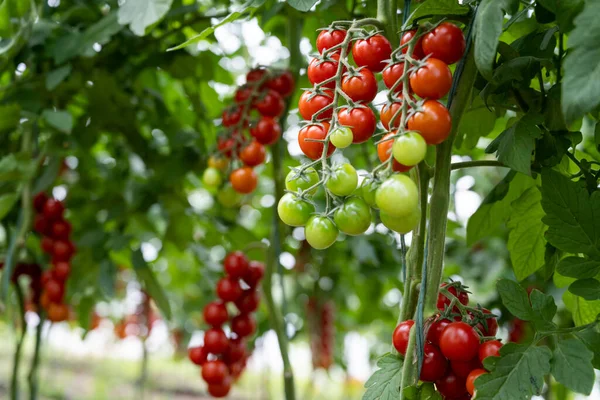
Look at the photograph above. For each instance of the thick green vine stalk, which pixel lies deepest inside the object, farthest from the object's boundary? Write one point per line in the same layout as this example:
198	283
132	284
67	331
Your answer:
14	384
35	361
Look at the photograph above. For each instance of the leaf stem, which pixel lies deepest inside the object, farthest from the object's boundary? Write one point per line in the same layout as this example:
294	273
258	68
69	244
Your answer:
387	14
476	163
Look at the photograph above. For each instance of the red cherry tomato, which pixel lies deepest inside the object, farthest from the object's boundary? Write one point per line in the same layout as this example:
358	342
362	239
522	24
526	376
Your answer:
320	70
443	301
361	120
42	225
57	312
253	154
236	351
243	325
61	271
215	313
462	369
436	329
270	104
492	325
243	94
215	341
228	289
489	349
231	116
47	244
459	342
372	52
226	146
401	335
254	274
255	75
214	372
55	290
197	355
471	380
282	84
451	386
248	302
388	111
267	131
431	81
39	200
236	264
61	229
219	390
417	50
243	180
360	87
53	209
434	364
392	74
311	104
62	250
446	42
329	38
314	150
432	121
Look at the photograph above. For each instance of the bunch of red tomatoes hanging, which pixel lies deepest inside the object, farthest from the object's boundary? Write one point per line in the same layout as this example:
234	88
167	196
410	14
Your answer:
320	316
340	112
257	107
56	231
224	358
458	339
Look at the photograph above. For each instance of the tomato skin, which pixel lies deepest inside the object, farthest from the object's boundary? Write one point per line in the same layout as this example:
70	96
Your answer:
434	364
320	232
451	386
409	149
214	372
57	312
360	87
271	104
361	120
307	179
341	137
367	191
219	390
417	50
462	369
446	42
242	94
255	273
443	301
243	180
294	211
232	116
39	200
353	217
53	209
253	154
459	342
255	75
215	341
228	197
229	289
492	325
61	229
236	350
401	335
267	131
392	74
62	250
397	196
243	325
384	152
329	38
372	52
215	313
219	163
471	380
236	264
211	178
55	291
42	225
433	122
248	302
61	271
403	224
343	180
282	84
226	145
197	355
320	70
489	349
431	81
314	150
387	113
309	107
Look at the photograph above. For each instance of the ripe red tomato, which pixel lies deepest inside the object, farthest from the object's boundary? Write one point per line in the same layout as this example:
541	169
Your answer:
459	342
443	301
42	225
372	52
267	131
392	74
446	42
471	380
270	104
384	151
215	341
255	75
255	273
401	334
248	302
231	116
451	386
489	349
329	38
39	200
57	312
53	209
47	244
243	325
236	264
311	104
434	364
431	81
282	84
436	329
219	390
361	120
462	369
214	372
320	70
244	180
236	351
253	154
226	145
361	86
61	271
55	290
417	50
197	355
432	121
492	325
61	229
62	250
387	113
314	150
228	289
215	313
243	94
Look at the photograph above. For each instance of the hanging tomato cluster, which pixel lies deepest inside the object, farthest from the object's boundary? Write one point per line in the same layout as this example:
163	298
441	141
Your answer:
458	339
223	359
257	107
56	231
339	113
321	331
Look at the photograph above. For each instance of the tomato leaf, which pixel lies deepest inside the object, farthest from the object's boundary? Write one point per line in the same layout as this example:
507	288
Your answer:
588	288
140	14
385	383
477	121
515	298
578	267
146	276
565	11
584	311
9	117
55	77
7	202
572	365
543	310
48	176
302	5
591	338
61	120
439	7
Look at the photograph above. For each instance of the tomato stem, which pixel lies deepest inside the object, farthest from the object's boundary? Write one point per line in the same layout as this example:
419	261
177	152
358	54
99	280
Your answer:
14	384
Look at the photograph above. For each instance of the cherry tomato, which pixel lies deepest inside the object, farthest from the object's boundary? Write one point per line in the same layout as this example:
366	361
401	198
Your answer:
39	201
61	229
446	42
53	209
55	290
353	217
197	355
372	52
343	180
471	380
459	342
242	94
360	86
62	250
489	349
388	111
311	104
417	50
462	369
402	224
451	386
341	137
368	190
221	389
243	180
228	197
211	177
401	335
432	121
361	120
226	145
431	81
282	84
443	301
219	163
294	211
57	312
42	225
384	152
270	104
267	131
256	74
320	70
397	196
236	350
255	273
295	182
320	232
253	154
236	264
248	302
47	244
392	74
243	325
409	149
435	330
229	289
314	150
329	38
214	372
61	271
215	313
434	364
232	116
491	325
215	341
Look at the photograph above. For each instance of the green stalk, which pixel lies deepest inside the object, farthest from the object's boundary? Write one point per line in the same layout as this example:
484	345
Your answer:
387	14
14	384
35	361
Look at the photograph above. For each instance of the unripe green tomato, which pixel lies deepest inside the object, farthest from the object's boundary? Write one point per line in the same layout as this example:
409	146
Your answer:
341	137
320	232
228	197
294	211
353	217
409	149
397	196
403	224
343	180
212	177
368	190
308	178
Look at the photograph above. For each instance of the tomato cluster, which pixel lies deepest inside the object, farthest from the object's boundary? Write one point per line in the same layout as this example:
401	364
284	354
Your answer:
140	323
321	330
223	358
56	231
458	339
256	110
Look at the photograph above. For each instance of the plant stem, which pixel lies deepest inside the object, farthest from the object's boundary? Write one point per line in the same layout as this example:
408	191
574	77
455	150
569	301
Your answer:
35	361
476	163
14	385
387	14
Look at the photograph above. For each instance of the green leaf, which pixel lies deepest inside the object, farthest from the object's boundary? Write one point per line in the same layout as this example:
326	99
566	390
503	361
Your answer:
518	374
54	78
591	338
10	115
439	7
49	175
106	278
572	215
589	289
302	5
578	267
565	10
515	298
526	242
147	278
7	201
61	120
384	384
581	81
515	145
572	365
584	311
16	167
478	121
140	14
543	310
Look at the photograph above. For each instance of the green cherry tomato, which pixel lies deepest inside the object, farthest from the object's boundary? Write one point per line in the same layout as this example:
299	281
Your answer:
295	182
397	196
353	217
409	149
228	197
341	137
403	224
320	232
368	190
294	211
343	180
212	177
